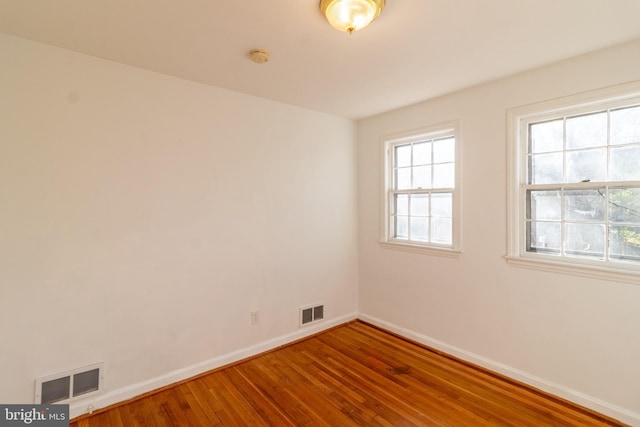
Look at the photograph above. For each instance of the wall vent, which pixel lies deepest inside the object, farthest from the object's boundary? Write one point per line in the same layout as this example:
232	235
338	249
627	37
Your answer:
68	386
311	313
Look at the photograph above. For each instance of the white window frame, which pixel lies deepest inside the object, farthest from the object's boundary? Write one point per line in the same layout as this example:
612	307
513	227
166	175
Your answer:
518	120
441	130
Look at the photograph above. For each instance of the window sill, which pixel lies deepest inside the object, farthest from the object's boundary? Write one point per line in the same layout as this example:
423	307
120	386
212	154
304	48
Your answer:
593	272
426	250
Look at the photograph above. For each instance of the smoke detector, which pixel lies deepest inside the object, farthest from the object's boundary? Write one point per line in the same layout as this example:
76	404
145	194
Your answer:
259	56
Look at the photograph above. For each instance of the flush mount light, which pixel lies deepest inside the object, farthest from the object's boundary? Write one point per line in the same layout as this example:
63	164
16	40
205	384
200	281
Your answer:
351	15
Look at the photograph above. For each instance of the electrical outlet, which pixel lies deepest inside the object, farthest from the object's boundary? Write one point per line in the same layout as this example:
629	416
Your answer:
254	317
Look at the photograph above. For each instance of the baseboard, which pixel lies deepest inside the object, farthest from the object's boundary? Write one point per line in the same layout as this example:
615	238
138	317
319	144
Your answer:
126	393
574	396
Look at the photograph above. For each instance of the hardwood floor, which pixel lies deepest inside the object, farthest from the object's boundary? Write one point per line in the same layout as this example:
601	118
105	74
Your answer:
351	375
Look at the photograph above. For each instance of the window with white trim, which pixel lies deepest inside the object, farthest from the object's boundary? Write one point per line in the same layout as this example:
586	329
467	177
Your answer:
421	195
576	182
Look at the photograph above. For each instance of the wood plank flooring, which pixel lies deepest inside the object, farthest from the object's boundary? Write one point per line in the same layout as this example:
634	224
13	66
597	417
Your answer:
351	375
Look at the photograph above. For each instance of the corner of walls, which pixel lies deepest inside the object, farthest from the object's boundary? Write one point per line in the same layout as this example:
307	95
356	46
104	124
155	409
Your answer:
568	334
145	217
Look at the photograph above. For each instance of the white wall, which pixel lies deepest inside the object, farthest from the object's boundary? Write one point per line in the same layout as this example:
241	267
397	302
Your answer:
143	217
575	336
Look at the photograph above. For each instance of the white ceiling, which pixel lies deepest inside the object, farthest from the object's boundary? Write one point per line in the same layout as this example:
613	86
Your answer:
415	50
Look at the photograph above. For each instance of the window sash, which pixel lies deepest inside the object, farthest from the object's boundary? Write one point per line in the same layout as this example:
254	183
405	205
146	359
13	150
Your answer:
563	220
559	133
428	167
438	229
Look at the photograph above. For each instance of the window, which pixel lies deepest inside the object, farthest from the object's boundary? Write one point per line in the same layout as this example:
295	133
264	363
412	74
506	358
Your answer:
421	196
575	197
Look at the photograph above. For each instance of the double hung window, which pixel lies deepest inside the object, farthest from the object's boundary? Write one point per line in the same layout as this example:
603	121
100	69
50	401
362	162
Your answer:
421	190
576	192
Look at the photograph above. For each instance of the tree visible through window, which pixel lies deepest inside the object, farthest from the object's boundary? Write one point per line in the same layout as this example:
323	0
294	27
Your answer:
582	189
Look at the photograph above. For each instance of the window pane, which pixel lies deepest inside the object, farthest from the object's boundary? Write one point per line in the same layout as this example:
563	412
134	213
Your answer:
402	204
587	131
587	165
625	125
545	169
544	205
444	176
584	240
422	153
544	237
625	163
584	205
441	230
420	229
546	136
420	205
624	243
624	205
402	227
403	156
444	150
422	177
441	205
403	179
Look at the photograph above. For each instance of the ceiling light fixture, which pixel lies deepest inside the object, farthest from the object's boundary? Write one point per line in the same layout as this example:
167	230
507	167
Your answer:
351	15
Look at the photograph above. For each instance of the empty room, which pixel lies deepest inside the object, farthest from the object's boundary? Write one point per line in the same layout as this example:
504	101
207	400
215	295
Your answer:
320	212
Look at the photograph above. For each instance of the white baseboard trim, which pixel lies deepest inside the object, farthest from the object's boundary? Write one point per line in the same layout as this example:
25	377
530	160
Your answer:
129	392
577	397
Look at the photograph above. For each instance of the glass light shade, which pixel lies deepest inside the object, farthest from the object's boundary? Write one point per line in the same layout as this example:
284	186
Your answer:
351	15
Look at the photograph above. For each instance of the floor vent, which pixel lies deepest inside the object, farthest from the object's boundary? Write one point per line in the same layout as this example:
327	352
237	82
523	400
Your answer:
312	313
71	385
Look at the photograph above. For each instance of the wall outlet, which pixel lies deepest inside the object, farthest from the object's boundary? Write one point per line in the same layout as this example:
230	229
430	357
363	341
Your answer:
255	316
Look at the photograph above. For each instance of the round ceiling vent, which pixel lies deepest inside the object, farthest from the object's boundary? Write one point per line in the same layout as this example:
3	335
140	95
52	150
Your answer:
259	56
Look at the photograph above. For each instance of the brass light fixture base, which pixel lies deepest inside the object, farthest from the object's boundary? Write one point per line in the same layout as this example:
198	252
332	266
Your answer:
351	15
